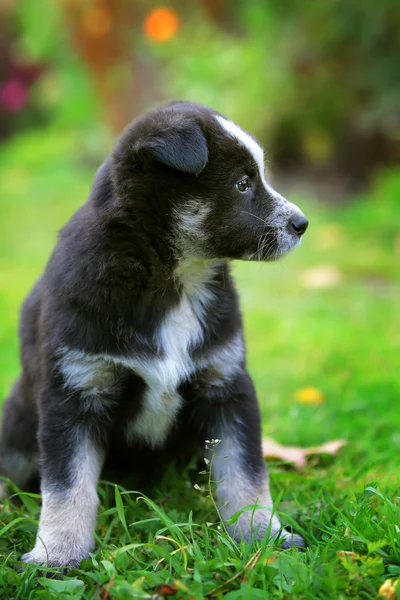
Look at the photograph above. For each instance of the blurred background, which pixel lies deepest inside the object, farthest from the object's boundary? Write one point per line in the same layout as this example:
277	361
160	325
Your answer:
319	84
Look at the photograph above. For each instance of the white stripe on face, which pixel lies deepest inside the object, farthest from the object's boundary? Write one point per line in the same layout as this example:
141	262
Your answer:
253	148
283	210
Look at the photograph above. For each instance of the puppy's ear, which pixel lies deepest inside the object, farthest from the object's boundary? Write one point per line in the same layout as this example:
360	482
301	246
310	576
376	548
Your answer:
182	146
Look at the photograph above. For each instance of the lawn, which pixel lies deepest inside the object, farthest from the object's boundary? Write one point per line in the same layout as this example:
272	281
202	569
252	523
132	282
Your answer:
326	317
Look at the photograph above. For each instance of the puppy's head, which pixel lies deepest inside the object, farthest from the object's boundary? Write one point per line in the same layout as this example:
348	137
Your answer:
197	179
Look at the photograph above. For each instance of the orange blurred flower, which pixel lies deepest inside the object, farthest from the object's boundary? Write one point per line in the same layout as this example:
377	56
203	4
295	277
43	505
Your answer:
161	24
309	395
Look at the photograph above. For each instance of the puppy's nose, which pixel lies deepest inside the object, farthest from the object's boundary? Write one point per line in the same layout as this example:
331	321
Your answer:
299	224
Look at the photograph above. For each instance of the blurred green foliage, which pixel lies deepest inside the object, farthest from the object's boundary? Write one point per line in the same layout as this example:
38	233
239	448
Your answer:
326	317
343	58
317	81
309	78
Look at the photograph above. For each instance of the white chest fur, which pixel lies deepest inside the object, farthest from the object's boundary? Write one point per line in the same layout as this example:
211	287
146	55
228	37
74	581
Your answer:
179	333
163	372
171	364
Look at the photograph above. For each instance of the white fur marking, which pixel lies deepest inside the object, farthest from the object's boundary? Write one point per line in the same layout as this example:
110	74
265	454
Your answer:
235	491
284	210
3	490
180	332
68	516
93	374
226	361
192	215
251	146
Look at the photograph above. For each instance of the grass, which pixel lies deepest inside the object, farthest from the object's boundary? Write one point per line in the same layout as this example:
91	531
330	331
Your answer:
342	339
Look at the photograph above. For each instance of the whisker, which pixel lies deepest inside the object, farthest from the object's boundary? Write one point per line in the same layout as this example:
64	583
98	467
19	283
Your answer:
267	246
255	216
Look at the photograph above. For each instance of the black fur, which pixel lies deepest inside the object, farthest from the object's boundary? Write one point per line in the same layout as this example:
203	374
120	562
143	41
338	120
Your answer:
114	277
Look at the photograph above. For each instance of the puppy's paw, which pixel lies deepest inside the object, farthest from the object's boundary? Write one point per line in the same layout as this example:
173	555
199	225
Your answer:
260	524
52	560
292	540
3	490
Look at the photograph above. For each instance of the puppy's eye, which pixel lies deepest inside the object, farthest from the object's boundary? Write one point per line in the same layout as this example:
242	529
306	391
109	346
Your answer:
243	185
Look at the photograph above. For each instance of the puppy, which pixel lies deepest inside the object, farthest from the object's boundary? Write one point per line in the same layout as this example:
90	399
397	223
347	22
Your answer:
133	336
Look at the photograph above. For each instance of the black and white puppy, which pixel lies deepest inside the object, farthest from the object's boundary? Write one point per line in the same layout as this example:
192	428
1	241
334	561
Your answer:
133	336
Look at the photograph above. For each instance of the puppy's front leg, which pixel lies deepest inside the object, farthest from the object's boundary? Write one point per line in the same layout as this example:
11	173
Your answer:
71	457
238	467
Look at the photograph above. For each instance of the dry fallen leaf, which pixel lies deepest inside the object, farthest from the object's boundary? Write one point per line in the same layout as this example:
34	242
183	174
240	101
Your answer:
105	592
166	589
309	395
388	589
296	455
321	277
269	560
